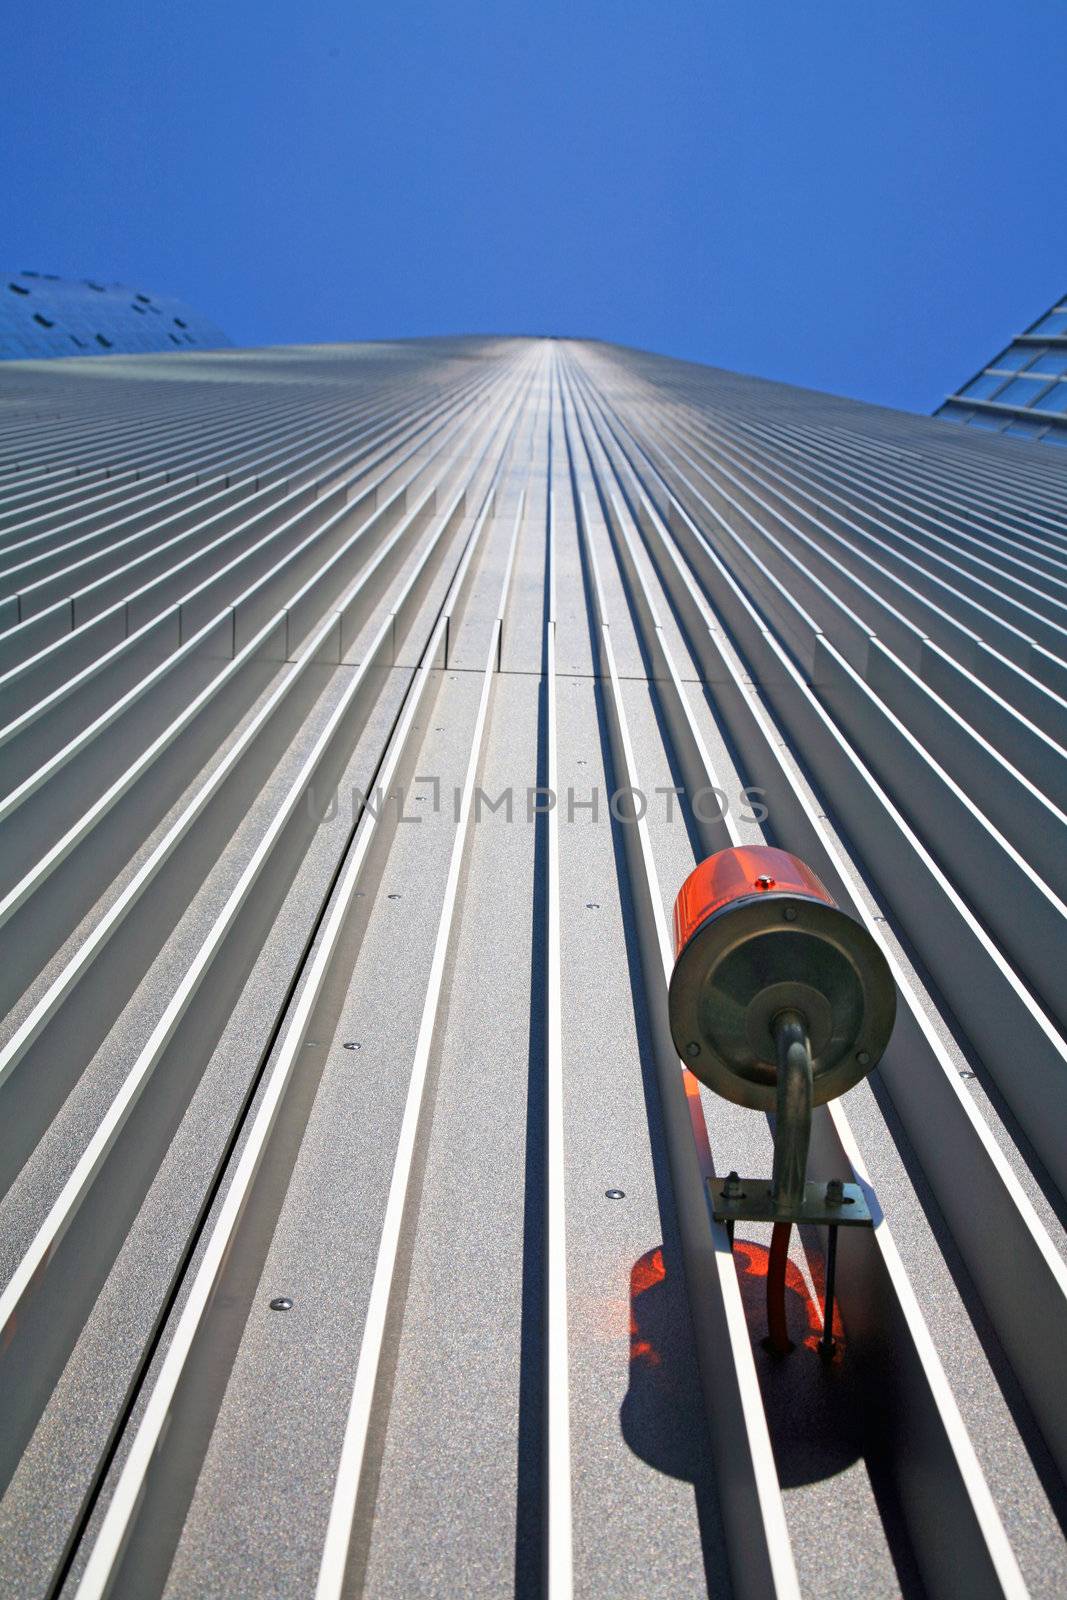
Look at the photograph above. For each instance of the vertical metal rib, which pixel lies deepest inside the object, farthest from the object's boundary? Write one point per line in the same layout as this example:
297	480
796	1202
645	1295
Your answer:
559	1577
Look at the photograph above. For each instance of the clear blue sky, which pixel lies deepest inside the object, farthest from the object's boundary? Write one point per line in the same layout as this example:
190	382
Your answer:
863	197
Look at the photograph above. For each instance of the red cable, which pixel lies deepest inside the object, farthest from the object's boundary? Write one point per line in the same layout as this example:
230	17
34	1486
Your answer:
778	1338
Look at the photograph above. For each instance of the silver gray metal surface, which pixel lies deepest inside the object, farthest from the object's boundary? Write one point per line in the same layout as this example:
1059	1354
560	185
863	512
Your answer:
363	708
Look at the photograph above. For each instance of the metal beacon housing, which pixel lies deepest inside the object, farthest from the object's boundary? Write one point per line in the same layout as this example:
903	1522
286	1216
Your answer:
779	1001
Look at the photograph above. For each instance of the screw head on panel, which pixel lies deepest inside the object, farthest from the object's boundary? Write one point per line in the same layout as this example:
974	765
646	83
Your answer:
281	1302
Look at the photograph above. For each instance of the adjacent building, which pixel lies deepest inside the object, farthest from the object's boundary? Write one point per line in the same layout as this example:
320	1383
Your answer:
43	315
1023	391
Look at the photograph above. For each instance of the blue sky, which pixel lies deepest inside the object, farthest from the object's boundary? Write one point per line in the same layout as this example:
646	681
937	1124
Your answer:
864	198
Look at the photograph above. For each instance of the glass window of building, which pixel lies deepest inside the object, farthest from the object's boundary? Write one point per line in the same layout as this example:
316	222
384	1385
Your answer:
1056	399
985	419
1022	392
983	388
1024	429
1050	363
44	315
1055	324
1036	365
1014	359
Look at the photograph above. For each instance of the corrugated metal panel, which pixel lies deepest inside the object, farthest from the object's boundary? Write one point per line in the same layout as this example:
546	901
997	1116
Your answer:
363	708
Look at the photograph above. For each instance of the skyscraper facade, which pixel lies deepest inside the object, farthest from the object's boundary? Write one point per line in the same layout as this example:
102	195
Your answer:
43	315
1023	391
363	708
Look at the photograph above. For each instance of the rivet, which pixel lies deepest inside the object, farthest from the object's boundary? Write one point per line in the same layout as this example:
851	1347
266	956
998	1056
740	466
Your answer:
281	1302
763	882
592	905
862	1056
614	1194
790	913
392	897
353	1044
692	1048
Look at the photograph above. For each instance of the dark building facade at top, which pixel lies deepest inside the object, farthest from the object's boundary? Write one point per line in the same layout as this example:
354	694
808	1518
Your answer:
1023	391
45	315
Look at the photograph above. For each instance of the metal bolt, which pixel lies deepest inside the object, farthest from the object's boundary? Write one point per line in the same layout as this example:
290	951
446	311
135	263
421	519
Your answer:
281	1302
835	1192
731	1189
692	1048
863	1057
392	897
790	913
592	905
763	882
353	1044
614	1194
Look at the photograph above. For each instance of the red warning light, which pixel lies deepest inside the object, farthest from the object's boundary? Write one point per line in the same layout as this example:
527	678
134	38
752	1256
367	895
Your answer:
735	875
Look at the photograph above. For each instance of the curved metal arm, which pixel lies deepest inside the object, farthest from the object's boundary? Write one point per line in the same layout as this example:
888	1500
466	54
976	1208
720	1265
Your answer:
793	1129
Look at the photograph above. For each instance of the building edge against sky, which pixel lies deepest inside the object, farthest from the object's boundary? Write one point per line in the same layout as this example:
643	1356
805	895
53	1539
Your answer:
1022	392
42	315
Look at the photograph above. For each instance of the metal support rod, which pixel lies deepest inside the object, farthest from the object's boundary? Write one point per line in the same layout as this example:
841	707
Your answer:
792	1132
792	1135
826	1343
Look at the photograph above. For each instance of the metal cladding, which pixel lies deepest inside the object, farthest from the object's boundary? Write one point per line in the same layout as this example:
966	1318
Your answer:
361	708
757	935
